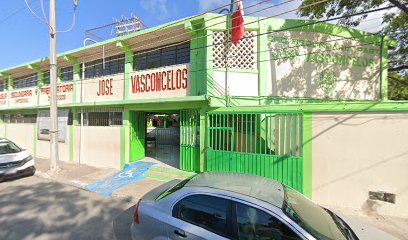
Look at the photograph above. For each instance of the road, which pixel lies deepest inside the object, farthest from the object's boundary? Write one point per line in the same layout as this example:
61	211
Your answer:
37	208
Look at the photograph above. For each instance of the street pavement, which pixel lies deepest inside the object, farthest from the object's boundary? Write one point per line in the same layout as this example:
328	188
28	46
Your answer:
38	208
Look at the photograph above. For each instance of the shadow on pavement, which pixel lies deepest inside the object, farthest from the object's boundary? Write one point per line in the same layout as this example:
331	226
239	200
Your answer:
121	224
32	208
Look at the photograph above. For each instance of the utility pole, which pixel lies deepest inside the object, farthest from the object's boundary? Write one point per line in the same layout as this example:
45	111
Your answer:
53	93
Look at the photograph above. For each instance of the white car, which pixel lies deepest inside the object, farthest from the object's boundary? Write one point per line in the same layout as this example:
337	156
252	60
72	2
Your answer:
14	161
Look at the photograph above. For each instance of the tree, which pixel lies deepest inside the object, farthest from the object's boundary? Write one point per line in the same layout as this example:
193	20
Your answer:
395	26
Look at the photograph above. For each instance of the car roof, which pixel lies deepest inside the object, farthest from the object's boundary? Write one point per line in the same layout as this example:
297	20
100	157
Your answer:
261	188
4	140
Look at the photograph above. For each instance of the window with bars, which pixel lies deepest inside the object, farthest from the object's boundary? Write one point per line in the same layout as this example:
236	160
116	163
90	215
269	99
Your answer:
273	134
166	56
67	74
20	118
102	117
26	81
111	65
2	84
46	79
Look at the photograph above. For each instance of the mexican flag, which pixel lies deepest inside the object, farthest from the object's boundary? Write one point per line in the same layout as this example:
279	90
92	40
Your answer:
238	27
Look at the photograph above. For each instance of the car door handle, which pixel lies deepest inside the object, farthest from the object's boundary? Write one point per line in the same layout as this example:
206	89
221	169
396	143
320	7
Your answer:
181	233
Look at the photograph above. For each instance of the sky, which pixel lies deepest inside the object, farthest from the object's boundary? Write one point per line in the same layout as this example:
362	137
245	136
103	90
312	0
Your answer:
24	38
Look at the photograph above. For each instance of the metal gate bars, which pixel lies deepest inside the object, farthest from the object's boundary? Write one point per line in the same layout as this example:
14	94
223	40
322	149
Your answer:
264	144
189	140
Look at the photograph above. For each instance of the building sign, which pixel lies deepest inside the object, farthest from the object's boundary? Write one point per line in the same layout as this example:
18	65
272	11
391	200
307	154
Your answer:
64	94
166	82
3	100
101	89
43	125
317	65
23	97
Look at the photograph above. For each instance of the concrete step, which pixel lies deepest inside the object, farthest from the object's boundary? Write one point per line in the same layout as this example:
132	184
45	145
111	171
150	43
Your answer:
174	172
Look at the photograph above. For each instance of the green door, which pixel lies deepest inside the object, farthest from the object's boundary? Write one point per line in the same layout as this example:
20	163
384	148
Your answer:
190	140
137	136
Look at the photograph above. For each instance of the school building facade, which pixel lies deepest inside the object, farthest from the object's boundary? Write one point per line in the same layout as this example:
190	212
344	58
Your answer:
301	102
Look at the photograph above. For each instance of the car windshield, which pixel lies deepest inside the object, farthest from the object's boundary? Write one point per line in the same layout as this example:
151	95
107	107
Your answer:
8	147
311	217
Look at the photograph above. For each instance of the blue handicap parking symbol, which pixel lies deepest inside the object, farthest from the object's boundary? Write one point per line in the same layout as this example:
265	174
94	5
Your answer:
130	174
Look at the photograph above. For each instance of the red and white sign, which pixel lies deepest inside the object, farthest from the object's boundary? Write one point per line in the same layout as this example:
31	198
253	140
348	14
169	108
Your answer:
65	94
107	88
23	97
166	82
3	100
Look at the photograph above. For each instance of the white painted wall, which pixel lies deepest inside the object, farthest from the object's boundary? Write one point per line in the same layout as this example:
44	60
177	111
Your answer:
239	84
303	76
357	153
101	146
22	134
43	148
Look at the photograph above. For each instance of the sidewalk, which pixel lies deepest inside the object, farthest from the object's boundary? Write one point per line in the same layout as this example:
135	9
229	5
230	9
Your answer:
80	175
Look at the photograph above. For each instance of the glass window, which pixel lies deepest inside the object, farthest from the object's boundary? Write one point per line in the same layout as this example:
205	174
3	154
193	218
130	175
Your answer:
46	78
2	83
256	224
111	65
102	117
67	74
26	81
208	212
319	222
166	56
9	147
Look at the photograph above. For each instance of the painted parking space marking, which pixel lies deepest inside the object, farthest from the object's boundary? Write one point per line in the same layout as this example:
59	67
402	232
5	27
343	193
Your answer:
130	174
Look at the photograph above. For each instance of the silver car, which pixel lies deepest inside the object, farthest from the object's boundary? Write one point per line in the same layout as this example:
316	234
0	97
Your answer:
14	161
237	206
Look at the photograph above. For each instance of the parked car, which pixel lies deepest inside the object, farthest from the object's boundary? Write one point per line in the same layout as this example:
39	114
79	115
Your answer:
14	161
237	206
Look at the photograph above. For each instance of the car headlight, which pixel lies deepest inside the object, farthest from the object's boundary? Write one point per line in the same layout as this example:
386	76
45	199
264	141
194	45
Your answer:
27	159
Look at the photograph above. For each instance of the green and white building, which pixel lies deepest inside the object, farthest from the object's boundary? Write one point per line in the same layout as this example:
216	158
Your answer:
302	103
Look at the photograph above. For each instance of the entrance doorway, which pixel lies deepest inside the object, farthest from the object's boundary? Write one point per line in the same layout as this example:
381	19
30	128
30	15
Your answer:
171	138
163	138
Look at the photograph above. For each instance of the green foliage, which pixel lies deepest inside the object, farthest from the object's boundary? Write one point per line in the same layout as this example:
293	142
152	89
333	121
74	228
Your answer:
395	26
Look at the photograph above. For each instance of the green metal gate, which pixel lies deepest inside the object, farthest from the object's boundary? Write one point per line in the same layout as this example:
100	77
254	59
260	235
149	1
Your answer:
264	144
189	140
137	135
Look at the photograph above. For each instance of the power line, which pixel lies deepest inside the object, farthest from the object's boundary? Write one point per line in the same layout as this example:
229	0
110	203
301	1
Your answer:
268	32
15	12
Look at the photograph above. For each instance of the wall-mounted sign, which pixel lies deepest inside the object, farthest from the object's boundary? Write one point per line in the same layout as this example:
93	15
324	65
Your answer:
166	82
23	97
107	88
43	125
3	100
317	65
64	94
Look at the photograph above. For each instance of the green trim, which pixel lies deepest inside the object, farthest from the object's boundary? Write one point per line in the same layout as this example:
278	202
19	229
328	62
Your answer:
203	136
158	177
234	70
171	171
35	140
307	155
262	56
76	80
384	71
125	138
128	70
71	134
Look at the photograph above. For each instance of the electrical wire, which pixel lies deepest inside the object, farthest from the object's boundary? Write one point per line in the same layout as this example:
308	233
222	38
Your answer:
274	31
14	13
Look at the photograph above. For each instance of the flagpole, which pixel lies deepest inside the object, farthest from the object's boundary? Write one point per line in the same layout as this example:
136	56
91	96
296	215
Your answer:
227	46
